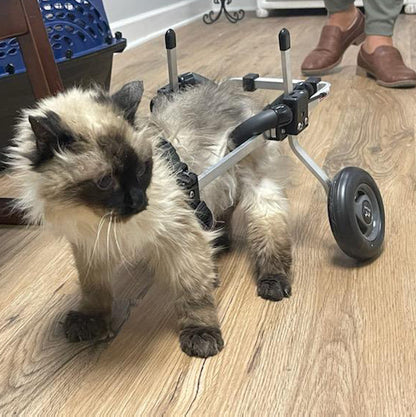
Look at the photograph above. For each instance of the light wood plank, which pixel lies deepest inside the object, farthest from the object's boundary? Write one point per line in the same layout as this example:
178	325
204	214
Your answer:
343	344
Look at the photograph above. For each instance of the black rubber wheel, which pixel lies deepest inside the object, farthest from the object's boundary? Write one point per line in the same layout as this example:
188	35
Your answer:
356	214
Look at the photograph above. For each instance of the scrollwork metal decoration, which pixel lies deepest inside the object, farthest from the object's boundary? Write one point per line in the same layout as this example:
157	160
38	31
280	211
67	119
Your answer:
233	17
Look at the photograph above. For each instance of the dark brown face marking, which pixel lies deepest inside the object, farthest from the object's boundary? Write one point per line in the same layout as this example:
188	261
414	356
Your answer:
123	190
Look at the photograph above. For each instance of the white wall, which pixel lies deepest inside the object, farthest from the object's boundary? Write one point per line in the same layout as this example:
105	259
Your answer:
121	9
141	20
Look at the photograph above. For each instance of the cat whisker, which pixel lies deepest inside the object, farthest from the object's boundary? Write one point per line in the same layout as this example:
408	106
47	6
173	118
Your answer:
108	244
124	258
99	228
126	262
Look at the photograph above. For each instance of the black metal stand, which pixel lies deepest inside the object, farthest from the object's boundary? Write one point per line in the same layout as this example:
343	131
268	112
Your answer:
233	17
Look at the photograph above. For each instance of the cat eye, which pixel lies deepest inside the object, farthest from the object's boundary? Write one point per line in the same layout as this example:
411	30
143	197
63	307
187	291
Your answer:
142	170
105	183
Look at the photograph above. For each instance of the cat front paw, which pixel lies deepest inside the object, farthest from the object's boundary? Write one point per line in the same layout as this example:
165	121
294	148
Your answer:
274	287
201	341
81	327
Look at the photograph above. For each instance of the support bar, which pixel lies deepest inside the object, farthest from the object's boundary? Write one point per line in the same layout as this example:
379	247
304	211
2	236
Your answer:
170	43
229	161
262	83
313	167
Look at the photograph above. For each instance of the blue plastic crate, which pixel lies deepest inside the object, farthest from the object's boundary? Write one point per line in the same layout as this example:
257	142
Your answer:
75	28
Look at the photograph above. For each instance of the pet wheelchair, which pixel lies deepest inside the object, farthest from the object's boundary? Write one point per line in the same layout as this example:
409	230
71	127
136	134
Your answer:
355	206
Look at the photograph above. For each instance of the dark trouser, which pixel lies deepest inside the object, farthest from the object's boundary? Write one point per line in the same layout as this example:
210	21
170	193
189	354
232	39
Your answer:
380	15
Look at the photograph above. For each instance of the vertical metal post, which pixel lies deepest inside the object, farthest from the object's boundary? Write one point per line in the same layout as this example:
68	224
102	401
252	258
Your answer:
284	45
170	42
319	173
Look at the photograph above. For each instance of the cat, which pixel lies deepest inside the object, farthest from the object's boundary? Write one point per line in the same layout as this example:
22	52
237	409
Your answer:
90	169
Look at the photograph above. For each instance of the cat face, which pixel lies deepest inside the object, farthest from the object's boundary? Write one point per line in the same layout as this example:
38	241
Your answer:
121	189
82	150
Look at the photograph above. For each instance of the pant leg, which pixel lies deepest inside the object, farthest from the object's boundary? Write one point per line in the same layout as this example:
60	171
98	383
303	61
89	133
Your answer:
334	6
380	16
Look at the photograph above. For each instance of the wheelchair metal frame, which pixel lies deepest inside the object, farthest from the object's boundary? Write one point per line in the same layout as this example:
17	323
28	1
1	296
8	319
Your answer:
355	206
285	84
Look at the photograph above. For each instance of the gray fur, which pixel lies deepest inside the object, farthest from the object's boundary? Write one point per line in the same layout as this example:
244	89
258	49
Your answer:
128	99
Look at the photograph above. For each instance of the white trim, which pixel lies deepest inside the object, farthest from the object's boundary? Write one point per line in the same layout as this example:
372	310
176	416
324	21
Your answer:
292	4
246	5
145	26
301	4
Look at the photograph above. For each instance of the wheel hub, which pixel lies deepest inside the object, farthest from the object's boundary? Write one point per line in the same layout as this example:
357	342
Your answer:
367	212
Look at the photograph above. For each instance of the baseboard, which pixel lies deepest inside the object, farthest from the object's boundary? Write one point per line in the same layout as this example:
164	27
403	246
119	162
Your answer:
246	5
145	26
303	4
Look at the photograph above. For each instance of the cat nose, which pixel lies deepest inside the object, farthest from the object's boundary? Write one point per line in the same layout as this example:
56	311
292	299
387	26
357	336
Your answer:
136	201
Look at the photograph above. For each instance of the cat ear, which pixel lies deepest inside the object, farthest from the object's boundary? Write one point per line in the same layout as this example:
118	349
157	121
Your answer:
50	136
45	128
128	98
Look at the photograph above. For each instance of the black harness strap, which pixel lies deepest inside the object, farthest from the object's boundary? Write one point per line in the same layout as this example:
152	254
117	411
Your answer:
188	181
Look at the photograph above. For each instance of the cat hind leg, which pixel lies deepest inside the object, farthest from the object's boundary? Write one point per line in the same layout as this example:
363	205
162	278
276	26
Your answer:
265	212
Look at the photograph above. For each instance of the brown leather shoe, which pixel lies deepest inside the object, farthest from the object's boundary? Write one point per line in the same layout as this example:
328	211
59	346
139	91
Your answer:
386	65
332	45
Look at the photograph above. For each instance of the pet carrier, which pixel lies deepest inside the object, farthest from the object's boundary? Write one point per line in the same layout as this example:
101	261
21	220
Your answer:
83	48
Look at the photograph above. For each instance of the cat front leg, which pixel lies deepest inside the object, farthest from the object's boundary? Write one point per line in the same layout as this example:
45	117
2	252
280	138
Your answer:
189	266
265	208
200	333
92	320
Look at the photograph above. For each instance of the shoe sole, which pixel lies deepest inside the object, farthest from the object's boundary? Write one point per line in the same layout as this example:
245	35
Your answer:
323	71
396	84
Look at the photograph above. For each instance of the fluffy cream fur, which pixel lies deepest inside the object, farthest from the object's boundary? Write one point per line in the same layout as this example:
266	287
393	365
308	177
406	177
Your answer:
166	235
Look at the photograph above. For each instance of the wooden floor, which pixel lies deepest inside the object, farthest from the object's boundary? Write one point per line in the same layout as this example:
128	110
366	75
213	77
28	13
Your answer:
343	345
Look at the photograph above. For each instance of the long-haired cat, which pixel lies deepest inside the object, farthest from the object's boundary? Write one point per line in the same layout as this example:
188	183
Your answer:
86	167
